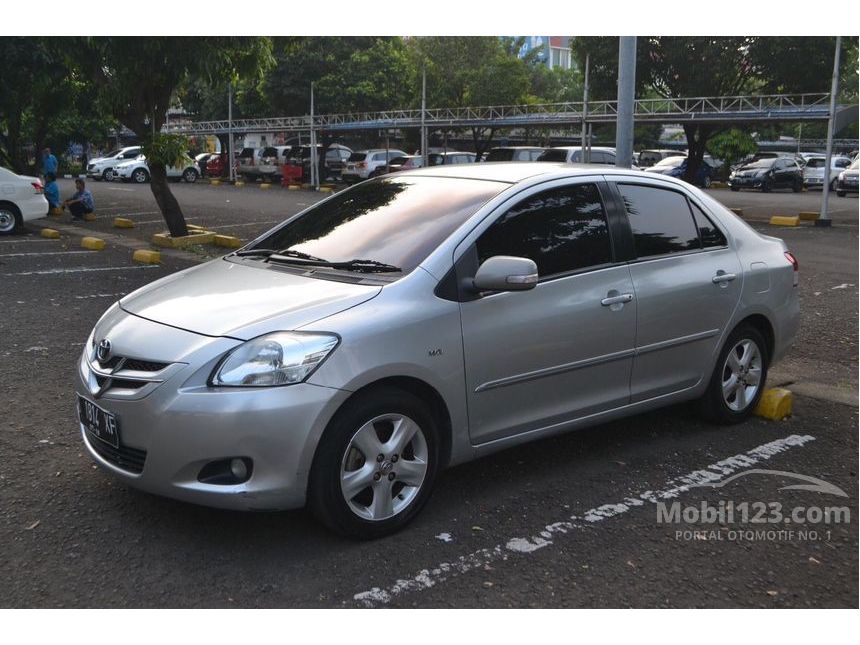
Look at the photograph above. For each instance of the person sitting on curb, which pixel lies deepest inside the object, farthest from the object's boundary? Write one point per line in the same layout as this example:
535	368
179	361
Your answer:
81	202
52	191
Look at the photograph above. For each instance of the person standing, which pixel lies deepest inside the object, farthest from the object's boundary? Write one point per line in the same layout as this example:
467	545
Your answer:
49	163
52	191
81	202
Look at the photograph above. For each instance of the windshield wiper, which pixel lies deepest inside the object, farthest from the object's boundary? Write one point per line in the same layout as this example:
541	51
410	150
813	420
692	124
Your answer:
254	252
285	253
361	266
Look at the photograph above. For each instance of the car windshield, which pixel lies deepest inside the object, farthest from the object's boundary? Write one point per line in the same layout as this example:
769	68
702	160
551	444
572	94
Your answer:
671	162
854	165
553	155
395	220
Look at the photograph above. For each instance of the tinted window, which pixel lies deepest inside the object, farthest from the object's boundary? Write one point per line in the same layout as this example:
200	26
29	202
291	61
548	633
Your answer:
599	157
501	154
841	163
534	154
660	220
396	220
553	155
710	235
357	156
269	152
247	152
562	230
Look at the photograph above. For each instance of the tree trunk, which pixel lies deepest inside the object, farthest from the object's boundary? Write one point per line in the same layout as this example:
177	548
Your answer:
697	139
166	201
480	143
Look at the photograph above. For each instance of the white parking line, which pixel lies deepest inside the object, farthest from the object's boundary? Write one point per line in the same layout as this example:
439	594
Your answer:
18	255
443	571
32	238
101	295
219	226
81	270
159	221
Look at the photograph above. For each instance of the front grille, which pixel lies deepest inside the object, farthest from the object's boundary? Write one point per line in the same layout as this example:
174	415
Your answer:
125	384
110	363
143	366
130	459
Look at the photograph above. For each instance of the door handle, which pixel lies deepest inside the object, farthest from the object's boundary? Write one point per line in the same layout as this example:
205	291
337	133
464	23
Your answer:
616	300
722	277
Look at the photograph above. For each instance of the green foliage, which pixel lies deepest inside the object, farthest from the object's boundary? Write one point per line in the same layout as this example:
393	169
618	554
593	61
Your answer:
731	146
166	149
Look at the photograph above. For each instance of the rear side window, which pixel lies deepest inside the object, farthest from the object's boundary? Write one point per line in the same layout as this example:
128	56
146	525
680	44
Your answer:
502	154
534	154
561	229
710	235
660	220
357	156
553	155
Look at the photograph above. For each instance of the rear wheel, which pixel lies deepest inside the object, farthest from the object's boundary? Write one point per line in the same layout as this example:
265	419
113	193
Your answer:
10	219
108	174
797	186
735	189
841	193
707	182
190	175
140	176
765	186
375	465
738	379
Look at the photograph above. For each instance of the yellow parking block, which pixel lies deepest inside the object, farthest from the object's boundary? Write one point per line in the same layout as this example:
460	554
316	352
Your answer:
51	233
147	257
214	182
775	404
92	243
265	186
809	216
195	227
195	236
89	217
239	184
227	241
56	212
738	211
122	222
785	220
293	187
326	189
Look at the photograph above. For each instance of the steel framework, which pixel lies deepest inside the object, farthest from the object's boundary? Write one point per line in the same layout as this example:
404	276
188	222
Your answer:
778	107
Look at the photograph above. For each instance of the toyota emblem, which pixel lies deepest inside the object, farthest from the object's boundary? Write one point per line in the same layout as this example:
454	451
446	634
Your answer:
103	350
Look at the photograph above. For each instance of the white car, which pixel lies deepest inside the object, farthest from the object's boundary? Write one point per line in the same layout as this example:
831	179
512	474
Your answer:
22	198
103	167
813	172
573	154
138	172
368	163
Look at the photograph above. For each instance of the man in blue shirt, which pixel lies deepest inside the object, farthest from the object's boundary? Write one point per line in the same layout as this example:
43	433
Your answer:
81	202
52	191
49	163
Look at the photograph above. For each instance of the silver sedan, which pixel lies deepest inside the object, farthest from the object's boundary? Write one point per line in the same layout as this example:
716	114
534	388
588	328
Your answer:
425	319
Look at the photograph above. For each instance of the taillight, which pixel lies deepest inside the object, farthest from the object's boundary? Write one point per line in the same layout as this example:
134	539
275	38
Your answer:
361	164
37	186
793	260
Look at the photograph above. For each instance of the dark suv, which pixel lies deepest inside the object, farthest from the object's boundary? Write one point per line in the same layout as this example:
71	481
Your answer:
767	174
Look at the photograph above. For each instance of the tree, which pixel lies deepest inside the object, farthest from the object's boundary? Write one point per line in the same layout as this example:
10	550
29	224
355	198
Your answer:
137	77
731	146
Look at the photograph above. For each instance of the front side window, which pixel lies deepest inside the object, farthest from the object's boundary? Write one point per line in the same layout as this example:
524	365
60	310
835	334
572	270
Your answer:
395	220
660	220
561	229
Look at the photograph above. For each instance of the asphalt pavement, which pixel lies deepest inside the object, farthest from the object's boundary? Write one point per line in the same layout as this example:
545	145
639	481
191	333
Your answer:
573	521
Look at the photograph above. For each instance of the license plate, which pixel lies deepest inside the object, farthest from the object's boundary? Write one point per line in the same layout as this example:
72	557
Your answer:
100	423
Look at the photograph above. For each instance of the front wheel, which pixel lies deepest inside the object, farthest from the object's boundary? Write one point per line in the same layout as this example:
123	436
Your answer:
797	186
707	182
735	189
738	379
140	176
108	175
765	187
190	175
375	465
841	193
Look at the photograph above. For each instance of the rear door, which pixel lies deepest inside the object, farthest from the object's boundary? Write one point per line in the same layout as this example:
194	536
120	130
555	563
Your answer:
687	282
564	349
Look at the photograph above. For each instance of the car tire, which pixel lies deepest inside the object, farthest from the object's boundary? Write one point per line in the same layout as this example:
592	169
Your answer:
707	182
10	219
841	193
108	175
797	186
140	176
735	189
366	424
833	185
766	187
731	396
190	175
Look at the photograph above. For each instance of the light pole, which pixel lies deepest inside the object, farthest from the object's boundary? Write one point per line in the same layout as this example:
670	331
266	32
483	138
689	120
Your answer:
824	217
626	97
314	169
585	111
423	110
232	171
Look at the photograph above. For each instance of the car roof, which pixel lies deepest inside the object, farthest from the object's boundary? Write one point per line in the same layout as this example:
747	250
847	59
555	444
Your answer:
518	171
517	148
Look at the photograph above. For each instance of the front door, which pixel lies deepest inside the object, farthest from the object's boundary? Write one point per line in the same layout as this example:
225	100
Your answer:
564	349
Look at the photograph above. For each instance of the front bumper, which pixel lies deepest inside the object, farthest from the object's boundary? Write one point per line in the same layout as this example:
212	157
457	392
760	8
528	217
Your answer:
847	186
745	182
174	428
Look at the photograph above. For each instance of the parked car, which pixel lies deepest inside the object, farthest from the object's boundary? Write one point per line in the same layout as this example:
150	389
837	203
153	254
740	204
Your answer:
215	164
138	171
449	158
368	163
768	173
102	168
677	167
22	198
247	163
513	153
813	172
648	158
574	154
407	162
847	180
425	319
335	158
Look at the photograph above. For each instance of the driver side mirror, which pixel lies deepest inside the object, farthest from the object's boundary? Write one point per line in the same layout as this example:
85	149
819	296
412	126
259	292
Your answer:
506	273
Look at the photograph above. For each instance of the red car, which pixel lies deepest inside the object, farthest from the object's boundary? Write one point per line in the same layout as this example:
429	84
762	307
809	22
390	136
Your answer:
216	165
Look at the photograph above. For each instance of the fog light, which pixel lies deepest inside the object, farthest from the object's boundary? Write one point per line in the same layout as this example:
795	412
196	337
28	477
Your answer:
239	469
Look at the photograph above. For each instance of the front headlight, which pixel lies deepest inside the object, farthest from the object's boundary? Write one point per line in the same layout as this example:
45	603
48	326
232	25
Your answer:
842	176
281	358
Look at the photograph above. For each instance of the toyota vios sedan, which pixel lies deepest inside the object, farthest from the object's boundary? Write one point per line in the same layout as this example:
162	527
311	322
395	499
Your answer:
424	319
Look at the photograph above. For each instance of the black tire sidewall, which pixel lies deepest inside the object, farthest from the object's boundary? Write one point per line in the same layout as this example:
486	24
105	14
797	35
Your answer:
324	495
714	407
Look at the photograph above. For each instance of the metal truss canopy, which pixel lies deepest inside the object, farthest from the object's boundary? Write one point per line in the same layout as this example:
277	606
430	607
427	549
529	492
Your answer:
723	109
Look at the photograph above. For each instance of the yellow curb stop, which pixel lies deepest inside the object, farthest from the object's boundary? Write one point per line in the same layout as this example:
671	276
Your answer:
56	212
51	233
326	189
775	404
293	187
265	186
227	241
92	243
239	184
785	220
195	236
808	216
147	257
122	222
214	182
89	217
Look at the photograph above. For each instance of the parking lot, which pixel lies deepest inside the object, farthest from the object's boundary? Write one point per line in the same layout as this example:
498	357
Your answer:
566	522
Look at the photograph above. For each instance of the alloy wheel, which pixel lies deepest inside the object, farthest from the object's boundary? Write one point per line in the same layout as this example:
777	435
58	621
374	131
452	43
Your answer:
384	467
7	221
741	378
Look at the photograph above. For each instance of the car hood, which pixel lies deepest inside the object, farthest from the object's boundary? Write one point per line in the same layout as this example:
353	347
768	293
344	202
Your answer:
223	298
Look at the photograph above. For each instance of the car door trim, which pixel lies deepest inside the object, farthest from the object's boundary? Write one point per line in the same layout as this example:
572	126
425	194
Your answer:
556	369
672	342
